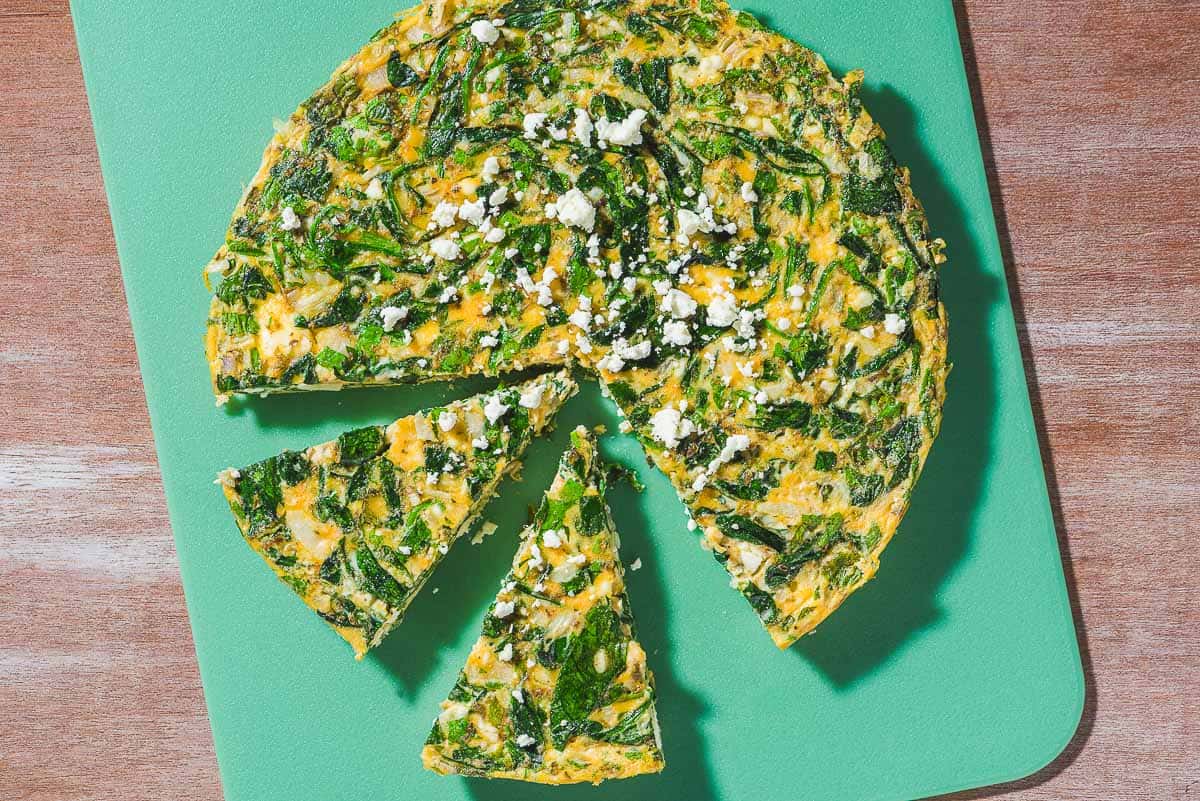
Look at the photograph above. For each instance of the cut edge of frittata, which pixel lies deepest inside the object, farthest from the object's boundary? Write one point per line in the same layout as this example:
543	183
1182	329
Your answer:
357	525
556	689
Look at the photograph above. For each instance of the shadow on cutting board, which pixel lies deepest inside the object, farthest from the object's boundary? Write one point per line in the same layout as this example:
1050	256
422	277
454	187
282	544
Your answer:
901	601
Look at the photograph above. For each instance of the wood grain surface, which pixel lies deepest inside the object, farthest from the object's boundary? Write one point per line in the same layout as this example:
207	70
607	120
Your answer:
1089	116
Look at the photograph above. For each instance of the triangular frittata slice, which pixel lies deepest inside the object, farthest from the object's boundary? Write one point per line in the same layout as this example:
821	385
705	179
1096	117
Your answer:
356	526
556	689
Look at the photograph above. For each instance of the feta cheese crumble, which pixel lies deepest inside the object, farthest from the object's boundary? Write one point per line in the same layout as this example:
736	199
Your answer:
675	332
894	324
445	248
392	315
444	214
669	426
484	31
573	208
288	220
722	311
583	127
532	121
494	409
491	169
678	304
621	132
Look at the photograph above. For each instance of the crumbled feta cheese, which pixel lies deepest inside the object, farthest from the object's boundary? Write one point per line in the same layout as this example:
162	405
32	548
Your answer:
484	31
524	740
445	248
444	214
392	315
636	352
611	362
583	127
783	323
494	409
488	341
532	121
734	444
636	564
722	311
748	193
288	220
491	168
751	559
623	132
503	609
506	653
447	420
472	211
894	324
448	294
687	222
375	189
551	538
495	235
581	319
675	332
498	196
678	304
575	209
867	331
669	426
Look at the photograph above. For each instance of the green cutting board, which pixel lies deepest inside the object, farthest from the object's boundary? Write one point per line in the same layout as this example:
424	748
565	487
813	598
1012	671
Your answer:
957	667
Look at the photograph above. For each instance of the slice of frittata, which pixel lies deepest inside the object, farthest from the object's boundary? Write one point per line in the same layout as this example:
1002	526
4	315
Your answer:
556	689
357	525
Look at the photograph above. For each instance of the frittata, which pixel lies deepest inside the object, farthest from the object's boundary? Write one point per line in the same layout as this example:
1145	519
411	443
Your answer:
357	525
556	689
662	192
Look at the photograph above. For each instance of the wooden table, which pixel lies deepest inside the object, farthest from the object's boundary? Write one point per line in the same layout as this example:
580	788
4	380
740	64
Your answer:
1089	114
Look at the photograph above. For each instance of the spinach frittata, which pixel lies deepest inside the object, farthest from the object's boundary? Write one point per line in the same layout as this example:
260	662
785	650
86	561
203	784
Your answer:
357	525
556	689
662	192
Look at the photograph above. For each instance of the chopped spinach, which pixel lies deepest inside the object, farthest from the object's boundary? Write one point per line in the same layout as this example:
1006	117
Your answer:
580	685
360	444
740	527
